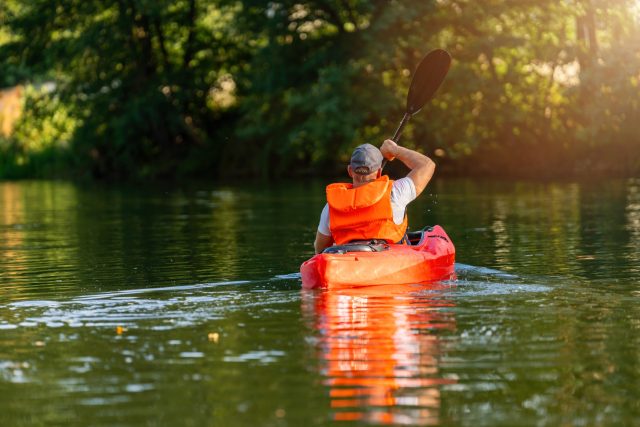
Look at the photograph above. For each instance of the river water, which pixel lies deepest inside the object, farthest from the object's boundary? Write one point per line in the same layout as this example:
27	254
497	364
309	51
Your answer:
183	306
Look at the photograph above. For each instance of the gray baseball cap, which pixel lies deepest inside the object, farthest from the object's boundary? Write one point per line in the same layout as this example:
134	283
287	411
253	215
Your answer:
366	159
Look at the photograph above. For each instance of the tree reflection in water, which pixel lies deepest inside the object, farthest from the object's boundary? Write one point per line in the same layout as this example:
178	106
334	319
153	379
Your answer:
380	348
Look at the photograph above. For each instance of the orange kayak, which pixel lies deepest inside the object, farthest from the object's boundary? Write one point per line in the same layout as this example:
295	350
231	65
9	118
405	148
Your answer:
430	256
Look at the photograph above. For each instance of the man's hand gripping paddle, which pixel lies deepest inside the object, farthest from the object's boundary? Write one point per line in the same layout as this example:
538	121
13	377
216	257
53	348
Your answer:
426	80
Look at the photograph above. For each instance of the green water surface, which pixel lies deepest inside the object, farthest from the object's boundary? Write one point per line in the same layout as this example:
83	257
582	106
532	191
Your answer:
182	306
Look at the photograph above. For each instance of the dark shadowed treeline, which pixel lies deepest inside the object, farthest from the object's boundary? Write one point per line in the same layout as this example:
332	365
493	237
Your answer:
139	89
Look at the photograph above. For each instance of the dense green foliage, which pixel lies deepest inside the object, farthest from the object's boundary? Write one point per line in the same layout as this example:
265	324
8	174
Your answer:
161	88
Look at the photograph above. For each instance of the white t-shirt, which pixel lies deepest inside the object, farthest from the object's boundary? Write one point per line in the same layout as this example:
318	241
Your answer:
403	192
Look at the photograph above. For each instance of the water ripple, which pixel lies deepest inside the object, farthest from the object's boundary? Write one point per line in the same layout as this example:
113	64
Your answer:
172	306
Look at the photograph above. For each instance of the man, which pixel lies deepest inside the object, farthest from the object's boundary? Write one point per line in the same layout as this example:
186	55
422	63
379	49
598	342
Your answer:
373	207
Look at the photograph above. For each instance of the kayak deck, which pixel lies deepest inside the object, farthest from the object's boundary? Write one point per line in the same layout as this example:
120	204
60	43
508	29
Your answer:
429	257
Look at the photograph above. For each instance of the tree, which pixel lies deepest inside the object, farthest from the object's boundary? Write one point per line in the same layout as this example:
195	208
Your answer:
217	87
137	75
321	81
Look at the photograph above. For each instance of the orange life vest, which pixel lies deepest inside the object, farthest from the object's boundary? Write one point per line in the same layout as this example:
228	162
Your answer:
364	212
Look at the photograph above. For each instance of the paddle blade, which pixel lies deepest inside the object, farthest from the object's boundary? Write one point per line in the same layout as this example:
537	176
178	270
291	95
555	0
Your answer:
427	79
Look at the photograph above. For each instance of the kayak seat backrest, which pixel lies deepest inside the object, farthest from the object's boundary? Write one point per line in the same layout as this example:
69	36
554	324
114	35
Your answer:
415	237
358	246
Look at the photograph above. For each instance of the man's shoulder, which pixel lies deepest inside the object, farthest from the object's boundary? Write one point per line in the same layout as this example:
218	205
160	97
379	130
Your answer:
403	192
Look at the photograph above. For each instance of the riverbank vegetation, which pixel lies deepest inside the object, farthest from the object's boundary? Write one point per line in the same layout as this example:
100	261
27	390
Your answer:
133	89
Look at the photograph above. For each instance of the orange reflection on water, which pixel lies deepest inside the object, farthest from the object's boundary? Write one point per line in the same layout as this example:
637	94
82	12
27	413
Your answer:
380	346
11	236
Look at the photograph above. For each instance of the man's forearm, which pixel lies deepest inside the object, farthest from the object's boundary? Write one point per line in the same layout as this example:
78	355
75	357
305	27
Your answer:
322	242
412	159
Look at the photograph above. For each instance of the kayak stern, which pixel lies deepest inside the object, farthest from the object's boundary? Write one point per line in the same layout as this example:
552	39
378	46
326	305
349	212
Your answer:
431	259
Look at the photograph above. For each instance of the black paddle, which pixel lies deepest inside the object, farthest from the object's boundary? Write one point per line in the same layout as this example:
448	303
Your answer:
426	80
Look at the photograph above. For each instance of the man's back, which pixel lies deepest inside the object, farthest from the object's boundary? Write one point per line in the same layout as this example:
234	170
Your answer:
365	167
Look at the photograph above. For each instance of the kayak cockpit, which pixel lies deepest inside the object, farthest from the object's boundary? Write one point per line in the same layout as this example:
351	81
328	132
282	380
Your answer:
412	238
358	246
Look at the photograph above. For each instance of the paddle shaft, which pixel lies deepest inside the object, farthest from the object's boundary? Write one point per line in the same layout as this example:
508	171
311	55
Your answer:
426	79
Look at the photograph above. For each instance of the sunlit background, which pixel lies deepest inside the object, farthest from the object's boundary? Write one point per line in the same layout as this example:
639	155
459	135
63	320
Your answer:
218	87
